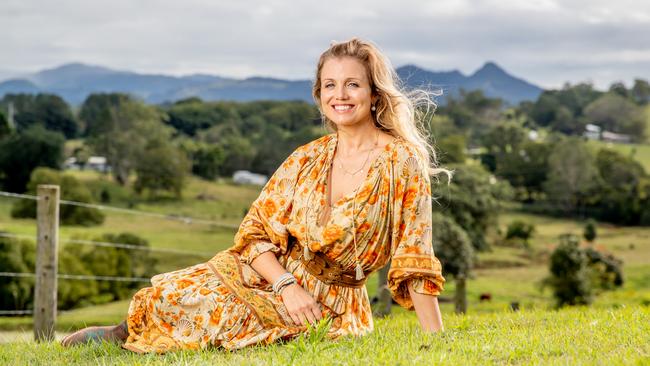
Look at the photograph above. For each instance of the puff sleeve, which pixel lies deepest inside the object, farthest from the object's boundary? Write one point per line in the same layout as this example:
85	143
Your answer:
413	258
263	228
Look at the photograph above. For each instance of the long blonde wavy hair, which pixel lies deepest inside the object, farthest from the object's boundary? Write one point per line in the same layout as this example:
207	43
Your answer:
398	113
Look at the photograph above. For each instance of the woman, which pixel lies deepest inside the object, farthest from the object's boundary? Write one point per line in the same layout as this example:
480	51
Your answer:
336	210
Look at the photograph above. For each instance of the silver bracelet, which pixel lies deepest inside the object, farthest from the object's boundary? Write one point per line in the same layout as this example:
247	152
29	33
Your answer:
284	280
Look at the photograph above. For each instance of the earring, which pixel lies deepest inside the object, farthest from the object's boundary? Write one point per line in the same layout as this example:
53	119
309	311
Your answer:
373	108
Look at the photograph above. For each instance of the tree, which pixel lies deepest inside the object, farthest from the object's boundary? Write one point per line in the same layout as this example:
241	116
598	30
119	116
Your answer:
5	129
22	152
589	232
520	230
615	113
452	246
570	276
207	161
48	110
572	174
16	293
641	91
161	166
130	128
71	190
451	149
96	112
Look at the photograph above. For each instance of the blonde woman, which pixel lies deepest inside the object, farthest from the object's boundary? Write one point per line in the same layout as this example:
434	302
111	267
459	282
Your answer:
337	209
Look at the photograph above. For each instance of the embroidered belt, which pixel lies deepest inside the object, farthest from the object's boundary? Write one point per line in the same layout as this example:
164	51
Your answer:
324	268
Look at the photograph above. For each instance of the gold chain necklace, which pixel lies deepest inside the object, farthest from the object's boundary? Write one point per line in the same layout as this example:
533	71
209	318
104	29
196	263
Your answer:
345	171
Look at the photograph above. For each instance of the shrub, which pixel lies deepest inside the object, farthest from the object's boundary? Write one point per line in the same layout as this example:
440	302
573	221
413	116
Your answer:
71	189
520	230
590	231
578	273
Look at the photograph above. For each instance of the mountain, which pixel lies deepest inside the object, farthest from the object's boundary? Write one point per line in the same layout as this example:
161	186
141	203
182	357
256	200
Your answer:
75	81
491	79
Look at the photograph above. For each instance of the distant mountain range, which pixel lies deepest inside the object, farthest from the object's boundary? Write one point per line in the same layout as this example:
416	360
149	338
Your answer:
75	81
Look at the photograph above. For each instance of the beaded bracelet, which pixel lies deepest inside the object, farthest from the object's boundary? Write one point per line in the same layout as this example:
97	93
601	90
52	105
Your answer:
283	281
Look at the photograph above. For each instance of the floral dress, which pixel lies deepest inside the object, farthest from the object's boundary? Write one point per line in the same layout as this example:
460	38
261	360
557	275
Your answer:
225	302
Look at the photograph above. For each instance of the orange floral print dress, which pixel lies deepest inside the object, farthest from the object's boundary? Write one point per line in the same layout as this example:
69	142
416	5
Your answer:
224	302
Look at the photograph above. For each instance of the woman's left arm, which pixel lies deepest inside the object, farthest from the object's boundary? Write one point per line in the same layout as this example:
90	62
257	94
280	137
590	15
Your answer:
427	310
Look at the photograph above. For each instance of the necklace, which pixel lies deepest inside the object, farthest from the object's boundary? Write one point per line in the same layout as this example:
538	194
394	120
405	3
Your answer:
308	255
345	171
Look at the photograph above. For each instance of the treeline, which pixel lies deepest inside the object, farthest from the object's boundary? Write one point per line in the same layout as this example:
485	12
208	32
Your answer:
158	145
543	155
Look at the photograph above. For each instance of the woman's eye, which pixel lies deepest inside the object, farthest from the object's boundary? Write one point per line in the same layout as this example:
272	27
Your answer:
353	85
329	85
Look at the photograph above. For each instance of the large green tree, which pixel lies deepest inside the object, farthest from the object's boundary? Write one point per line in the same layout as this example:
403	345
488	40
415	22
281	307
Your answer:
48	110
21	153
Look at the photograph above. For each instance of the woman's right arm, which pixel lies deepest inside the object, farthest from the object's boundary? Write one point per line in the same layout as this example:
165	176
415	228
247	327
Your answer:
300	305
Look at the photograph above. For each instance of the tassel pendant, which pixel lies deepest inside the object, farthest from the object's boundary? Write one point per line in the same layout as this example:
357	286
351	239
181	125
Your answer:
359	272
306	253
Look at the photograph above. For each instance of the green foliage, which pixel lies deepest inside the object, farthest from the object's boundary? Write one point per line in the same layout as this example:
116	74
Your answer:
5	129
562	110
577	274
121	262
161	166
97	112
471	199
589	232
129	129
23	152
472	111
71	189
452	246
451	149
520	230
207	161
640	92
16	256
572	174
570	276
617	113
48	110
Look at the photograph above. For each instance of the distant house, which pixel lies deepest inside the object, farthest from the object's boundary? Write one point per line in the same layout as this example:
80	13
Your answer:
97	163
616	137
592	132
246	177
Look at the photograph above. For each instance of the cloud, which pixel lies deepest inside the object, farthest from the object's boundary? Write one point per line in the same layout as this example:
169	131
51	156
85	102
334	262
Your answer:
545	41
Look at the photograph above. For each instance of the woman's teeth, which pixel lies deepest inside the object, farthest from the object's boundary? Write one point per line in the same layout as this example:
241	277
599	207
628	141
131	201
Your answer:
342	107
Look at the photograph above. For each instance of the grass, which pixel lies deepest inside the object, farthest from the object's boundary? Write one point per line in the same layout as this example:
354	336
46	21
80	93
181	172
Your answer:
610	331
570	336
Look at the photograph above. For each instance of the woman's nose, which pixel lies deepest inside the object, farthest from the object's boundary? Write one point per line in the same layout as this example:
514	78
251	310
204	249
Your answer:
341	93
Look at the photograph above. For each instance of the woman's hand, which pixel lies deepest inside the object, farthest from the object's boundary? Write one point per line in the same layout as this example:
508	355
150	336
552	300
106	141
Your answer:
301	306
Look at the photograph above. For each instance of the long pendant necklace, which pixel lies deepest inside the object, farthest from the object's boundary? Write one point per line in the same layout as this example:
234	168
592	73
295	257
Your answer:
307	254
345	171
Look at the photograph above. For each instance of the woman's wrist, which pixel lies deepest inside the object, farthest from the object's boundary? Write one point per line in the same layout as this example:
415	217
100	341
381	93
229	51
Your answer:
282	282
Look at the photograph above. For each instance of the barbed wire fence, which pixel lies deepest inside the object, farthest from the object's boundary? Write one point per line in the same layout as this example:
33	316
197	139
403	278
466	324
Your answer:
47	244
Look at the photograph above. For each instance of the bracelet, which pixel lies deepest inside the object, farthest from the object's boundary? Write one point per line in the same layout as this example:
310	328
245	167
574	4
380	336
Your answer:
283	281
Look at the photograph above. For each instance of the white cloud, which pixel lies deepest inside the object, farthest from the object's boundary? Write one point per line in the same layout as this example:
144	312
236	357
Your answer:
544	41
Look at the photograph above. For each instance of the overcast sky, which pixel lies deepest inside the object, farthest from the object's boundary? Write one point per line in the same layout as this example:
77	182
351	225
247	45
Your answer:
547	42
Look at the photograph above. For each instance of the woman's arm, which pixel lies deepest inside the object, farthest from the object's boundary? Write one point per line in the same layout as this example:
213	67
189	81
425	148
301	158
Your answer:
301	306
427	310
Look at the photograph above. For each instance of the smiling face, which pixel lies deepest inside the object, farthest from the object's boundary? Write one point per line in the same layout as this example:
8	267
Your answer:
345	92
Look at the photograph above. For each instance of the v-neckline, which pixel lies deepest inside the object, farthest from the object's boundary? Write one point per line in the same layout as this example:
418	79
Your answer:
328	174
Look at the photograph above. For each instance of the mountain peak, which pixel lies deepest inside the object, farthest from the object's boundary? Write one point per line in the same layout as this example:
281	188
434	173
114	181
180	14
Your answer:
490	69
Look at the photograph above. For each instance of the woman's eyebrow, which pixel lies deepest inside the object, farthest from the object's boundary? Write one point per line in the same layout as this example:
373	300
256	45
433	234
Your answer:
330	79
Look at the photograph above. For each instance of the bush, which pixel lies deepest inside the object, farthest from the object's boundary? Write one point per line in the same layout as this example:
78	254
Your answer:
520	230
71	189
590	231
16	293
578	273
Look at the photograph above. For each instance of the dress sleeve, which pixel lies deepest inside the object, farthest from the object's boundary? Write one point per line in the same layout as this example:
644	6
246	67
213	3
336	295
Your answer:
263	228
412	251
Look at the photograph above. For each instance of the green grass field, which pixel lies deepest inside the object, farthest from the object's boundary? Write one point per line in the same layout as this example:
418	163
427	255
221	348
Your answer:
610	330
578	336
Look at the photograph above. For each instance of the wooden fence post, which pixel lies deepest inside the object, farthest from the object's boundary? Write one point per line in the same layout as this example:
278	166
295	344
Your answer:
47	216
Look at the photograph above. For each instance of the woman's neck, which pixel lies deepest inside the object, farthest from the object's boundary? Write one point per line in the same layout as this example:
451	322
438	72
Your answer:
352	139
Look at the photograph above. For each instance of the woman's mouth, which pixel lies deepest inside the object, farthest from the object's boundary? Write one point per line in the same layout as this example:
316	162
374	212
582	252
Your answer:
343	108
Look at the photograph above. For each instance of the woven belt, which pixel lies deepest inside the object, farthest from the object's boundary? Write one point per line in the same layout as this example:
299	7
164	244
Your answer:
324	268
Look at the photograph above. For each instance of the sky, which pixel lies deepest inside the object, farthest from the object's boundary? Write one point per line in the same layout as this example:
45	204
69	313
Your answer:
546	42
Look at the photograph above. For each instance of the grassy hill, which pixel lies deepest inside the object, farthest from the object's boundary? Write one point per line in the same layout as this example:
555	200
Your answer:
508	272
578	336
